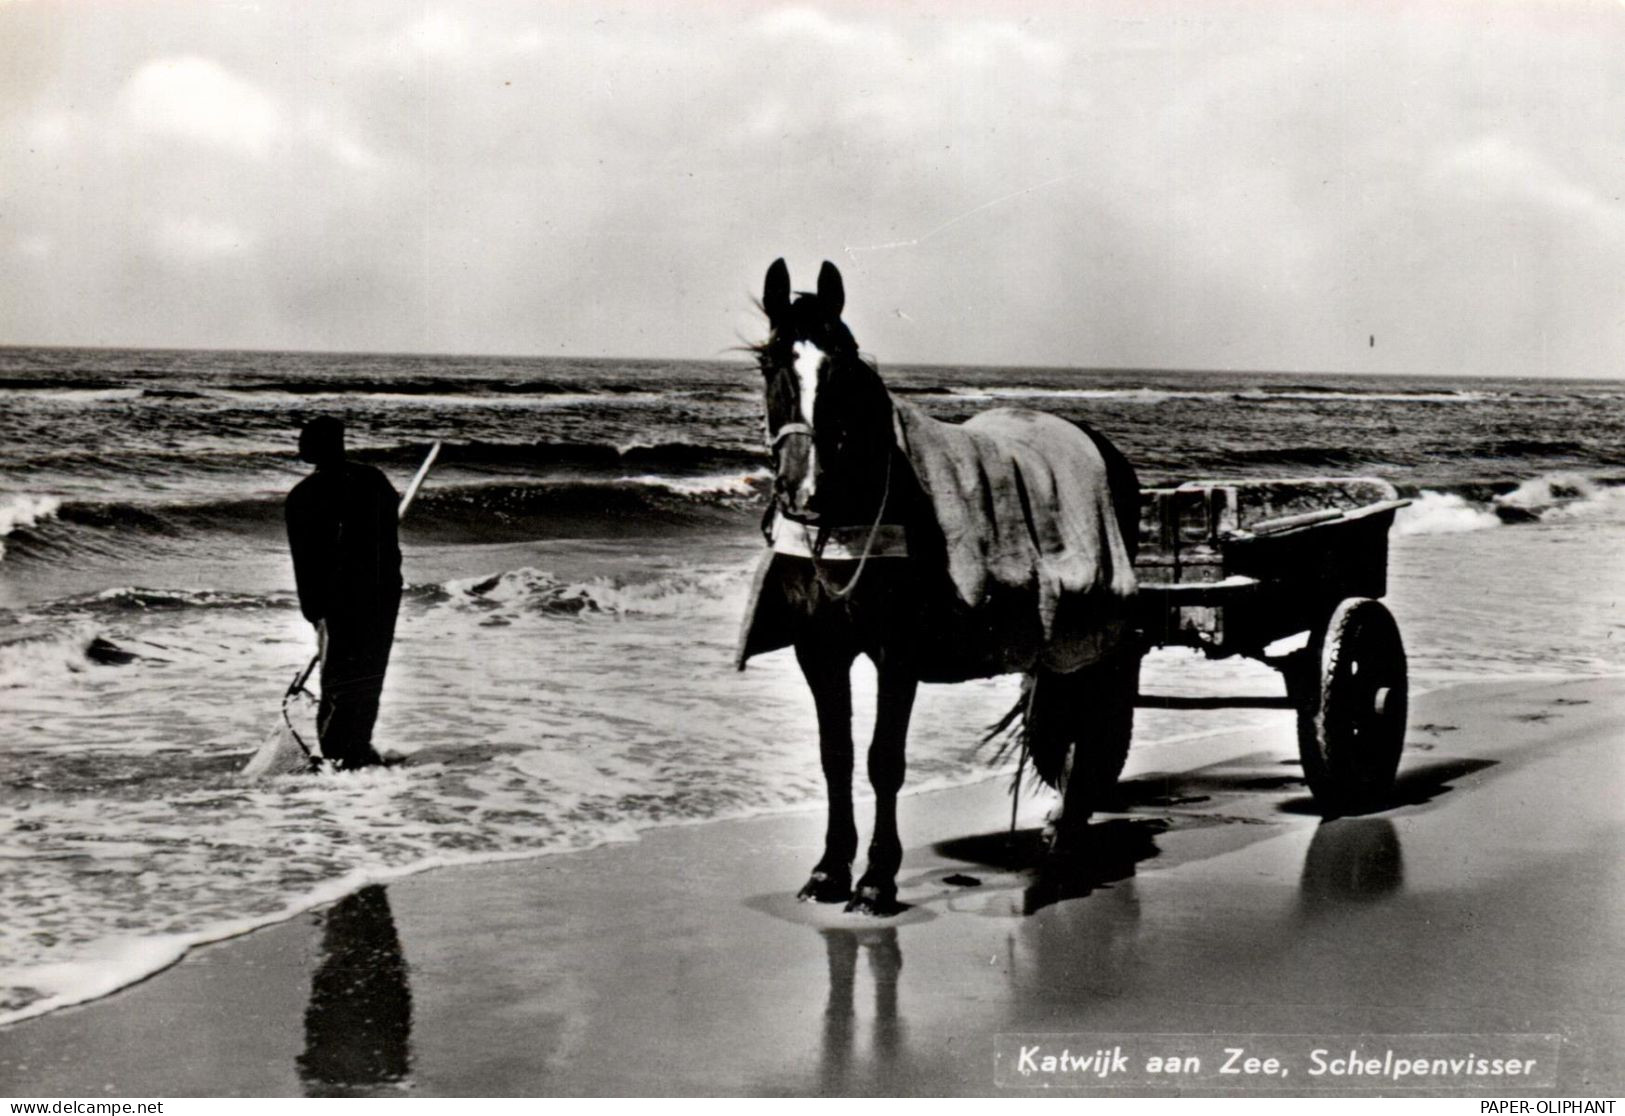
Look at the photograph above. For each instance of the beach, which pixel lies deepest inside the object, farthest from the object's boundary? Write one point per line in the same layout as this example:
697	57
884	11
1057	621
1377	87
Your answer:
1483	901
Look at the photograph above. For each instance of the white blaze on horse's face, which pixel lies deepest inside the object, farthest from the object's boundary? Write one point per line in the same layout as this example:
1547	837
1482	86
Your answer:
809	358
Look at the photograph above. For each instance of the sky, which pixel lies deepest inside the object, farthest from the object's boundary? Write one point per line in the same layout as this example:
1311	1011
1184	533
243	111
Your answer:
1424	187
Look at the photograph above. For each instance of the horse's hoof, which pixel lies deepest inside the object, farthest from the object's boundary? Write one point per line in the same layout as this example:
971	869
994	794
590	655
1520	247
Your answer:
822	887
871	899
1063	841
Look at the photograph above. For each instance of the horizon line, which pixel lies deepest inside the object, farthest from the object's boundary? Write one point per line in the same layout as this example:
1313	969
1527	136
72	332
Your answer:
720	359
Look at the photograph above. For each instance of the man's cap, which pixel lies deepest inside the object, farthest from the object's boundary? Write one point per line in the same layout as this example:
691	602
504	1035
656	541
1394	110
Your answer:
322	441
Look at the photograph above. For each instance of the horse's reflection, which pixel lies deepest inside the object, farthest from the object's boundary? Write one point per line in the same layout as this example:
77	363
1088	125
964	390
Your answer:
886	1035
358	1025
1351	860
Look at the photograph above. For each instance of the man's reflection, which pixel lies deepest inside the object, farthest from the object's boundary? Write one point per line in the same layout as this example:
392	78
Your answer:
840	1014
358	1026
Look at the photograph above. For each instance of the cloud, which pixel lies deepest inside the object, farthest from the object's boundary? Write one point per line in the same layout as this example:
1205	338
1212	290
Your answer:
437	35
990	43
1496	168
340	141
196	239
49	133
1237	183
812	24
478	37
196	99
35	246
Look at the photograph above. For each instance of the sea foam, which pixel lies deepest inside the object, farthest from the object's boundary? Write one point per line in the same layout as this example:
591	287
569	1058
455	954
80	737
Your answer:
1549	498
24	511
1443	513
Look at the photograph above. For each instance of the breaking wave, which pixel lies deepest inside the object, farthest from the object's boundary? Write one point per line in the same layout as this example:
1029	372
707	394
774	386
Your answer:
588	506
1549	498
23	512
524	590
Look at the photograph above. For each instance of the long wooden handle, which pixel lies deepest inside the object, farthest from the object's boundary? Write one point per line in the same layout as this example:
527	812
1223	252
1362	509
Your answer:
417	481
303	676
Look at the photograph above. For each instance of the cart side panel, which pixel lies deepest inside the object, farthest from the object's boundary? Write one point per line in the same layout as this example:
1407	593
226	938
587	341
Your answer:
1180	530
1189	540
1262	500
1306	573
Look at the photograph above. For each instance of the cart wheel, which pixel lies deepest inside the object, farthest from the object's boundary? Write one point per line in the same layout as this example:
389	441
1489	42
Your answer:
1351	719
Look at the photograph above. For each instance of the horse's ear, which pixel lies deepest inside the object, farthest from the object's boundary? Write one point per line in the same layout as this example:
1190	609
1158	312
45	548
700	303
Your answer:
776	290
831	291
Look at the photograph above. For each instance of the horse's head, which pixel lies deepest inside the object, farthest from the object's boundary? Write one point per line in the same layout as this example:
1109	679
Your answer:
829	418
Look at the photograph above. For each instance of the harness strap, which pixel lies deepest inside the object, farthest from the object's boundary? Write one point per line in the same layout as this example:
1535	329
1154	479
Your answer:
817	549
793	538
803	428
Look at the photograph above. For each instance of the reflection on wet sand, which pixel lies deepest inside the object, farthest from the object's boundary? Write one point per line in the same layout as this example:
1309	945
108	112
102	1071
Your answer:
842	946
1108	851
1083	905
1101	931
1351	860
358	1025
1418	784
1090	942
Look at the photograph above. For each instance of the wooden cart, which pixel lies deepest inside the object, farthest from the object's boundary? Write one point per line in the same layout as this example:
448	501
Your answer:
1234	567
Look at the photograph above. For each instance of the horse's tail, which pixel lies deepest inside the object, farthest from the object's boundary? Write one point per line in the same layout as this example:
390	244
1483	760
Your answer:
1075	727
1042	724
1054	709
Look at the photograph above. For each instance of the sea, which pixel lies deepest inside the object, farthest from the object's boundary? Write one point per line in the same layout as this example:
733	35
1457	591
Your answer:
577	566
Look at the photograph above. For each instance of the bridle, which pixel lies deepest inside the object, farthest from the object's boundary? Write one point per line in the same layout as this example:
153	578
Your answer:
815	546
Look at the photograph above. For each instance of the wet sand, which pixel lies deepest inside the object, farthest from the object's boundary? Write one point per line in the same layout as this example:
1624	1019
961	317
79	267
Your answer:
1487	899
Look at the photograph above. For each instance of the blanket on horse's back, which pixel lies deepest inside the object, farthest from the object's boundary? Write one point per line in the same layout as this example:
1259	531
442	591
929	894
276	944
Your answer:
1023	500
1026	544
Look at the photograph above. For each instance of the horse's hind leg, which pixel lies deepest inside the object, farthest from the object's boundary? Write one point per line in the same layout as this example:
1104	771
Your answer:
877	890
828	674
1098	704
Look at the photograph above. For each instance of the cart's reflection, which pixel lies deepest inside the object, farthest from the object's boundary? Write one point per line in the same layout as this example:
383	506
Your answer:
1351	860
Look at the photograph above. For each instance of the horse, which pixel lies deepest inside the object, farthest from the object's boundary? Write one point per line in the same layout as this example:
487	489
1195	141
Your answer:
942	552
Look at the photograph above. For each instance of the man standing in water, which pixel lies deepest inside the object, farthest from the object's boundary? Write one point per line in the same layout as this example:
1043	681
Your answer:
347	565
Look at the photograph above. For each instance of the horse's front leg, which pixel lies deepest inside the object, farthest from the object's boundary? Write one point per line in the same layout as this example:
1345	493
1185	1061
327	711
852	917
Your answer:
877	891
829	675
